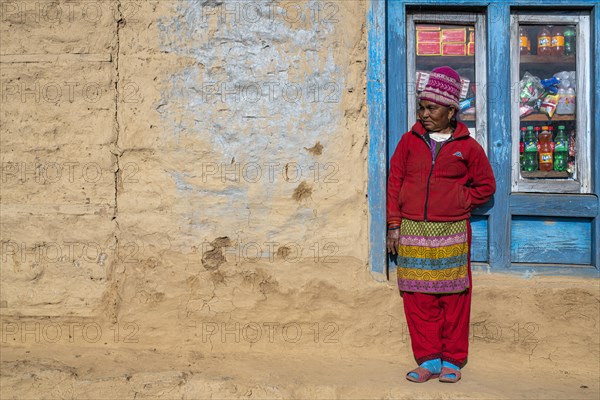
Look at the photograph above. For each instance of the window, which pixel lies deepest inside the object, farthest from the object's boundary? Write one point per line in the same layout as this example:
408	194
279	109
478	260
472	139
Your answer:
458	42
550	113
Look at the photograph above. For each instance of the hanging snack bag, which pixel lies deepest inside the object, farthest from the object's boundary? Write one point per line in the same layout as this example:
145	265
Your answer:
530	88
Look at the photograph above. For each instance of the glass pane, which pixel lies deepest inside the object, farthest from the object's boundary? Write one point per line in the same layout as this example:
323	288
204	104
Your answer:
547	96
454	46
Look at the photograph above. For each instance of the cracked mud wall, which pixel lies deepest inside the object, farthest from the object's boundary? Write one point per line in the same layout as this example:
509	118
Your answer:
136	135
249	144
58	160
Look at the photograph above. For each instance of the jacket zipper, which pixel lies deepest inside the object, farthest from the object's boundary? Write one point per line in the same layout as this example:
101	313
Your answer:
431	171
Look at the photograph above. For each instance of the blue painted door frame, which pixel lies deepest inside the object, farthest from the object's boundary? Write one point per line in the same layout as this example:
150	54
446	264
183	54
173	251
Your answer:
386	91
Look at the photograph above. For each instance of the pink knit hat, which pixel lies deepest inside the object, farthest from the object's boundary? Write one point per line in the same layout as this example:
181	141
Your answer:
443	87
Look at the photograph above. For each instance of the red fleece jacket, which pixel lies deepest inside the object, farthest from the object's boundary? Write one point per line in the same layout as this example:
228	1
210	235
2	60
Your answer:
445	189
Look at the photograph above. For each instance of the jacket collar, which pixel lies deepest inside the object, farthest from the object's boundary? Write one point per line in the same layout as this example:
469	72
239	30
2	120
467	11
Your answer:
460	131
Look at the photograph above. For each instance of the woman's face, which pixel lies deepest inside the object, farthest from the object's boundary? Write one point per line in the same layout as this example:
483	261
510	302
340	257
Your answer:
434	117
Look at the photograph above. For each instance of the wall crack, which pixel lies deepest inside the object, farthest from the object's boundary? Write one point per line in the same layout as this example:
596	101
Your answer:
112	299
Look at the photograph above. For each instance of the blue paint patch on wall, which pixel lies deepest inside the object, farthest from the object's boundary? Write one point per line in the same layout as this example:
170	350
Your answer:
241	91
183	185
193	209
245	74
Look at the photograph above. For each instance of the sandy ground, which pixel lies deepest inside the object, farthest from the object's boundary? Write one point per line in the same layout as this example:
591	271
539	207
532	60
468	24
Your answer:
310	336
123	373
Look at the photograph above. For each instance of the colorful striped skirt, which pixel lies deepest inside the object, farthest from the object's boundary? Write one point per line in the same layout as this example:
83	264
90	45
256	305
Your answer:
433	257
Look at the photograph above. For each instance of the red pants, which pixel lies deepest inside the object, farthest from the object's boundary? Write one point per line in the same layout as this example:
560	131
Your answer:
439	323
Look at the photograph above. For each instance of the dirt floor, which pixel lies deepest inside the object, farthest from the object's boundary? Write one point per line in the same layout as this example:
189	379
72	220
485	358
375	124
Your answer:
313	335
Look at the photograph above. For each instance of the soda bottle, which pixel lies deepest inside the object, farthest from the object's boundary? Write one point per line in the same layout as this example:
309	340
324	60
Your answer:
572	150
570	40
530	153
561	150
545	152
522	145
530	128
563	103
524	42
570	101
558	41
544	41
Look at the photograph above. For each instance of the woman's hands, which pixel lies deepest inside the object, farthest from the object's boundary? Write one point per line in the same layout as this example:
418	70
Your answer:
393	240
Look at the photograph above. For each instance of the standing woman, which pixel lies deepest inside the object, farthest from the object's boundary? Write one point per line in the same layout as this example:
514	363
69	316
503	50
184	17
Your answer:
438	174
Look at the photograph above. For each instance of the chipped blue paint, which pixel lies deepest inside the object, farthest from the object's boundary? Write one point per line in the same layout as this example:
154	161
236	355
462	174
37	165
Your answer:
566	205
479	239
553	240
396	57
376	84
499	131
595	20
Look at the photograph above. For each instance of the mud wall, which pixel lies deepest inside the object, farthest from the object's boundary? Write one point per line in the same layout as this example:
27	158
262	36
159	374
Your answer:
147	143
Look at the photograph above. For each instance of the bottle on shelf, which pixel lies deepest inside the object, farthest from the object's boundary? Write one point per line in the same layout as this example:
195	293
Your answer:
545	151
561	150
570	40
522	145
524	42
573	79
558	41
536	131
572	151
544	41
530	153
570	102
562	107
565	79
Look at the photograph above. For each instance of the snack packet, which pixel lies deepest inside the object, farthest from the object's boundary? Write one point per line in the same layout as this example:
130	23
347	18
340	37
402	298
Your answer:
549	104
525	110
530	88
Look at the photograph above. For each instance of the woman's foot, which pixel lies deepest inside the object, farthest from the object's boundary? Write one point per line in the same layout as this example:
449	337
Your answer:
450	372
427	370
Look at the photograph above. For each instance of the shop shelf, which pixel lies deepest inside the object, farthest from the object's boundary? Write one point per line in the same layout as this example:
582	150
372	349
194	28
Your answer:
557	62
544	118
545	174
453	61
